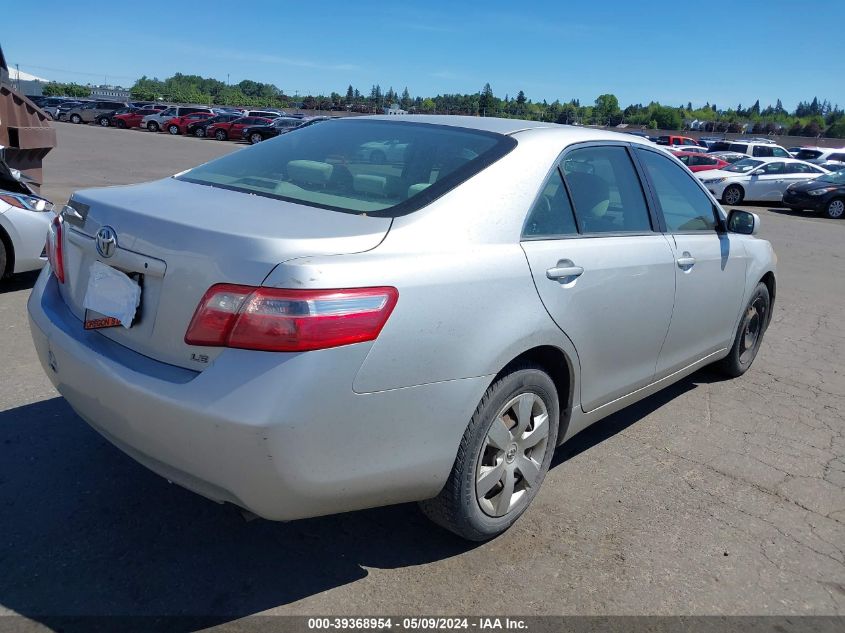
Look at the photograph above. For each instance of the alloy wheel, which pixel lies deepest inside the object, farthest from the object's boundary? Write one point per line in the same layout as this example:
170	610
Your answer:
836	209
732	195
255	138
512	454
755	318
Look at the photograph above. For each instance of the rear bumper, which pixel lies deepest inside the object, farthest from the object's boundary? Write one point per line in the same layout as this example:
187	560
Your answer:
282	435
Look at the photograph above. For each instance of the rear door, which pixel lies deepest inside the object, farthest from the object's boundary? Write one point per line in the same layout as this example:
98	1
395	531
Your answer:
709	266
767	182
604	274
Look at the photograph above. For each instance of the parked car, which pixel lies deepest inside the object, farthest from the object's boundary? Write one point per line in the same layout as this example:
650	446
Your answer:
672	139
88	112
793	151
754	149
728	157
832	165
331	334
758	179
233	130
24	221
179	124
382	152
132	118
818	155
257	133
154	122
696	161
197	128
107	118
825	193
264	114
59	113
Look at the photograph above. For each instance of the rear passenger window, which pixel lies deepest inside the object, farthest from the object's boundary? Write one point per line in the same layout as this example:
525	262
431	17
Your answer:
551	216
779	152
763	151
739	147
606	191
684	205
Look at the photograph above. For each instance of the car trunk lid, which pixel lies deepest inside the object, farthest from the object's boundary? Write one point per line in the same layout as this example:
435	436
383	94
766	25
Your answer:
180	238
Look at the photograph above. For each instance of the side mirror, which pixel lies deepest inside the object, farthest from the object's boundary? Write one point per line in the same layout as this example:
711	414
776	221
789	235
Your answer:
743	222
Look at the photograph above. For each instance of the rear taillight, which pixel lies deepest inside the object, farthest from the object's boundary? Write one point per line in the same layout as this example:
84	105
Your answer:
281	320
55	251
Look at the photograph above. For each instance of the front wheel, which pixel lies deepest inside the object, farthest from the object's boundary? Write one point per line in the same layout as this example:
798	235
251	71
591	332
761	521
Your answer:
220	135
835	209
104	122
75	118
199	132
173	129
732	195
255	138
152	126
503	456
121	124
749	334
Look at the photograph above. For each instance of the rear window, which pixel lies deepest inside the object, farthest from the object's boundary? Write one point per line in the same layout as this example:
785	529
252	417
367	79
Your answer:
379	168
720	146
739	147
808	154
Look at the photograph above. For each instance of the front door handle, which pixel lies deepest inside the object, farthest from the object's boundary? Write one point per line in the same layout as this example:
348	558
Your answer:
686	261
565	268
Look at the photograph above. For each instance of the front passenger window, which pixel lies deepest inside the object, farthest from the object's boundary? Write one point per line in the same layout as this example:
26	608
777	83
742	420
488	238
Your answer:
684	205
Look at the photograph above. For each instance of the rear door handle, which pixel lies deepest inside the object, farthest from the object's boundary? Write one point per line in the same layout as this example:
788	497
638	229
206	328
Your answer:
565	268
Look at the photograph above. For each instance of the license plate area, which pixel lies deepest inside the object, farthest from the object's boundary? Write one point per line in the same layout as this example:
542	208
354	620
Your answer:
113	297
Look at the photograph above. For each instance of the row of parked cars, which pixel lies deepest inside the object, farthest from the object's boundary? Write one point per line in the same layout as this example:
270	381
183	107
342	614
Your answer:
758	170
221	123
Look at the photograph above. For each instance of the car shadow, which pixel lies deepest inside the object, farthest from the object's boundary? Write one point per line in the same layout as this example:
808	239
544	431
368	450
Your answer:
23	281
793	212
91	539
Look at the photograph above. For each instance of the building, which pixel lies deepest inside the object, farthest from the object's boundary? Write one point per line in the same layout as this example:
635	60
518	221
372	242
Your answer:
26	84
395	109
110	92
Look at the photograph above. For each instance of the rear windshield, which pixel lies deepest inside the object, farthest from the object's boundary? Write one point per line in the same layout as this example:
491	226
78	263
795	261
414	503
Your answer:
380	168
808	154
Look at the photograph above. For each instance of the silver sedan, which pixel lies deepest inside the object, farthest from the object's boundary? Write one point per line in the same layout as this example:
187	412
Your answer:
300	331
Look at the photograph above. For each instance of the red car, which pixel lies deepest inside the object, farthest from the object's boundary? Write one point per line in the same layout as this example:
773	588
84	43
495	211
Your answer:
132	119
700	162
179	124
234	129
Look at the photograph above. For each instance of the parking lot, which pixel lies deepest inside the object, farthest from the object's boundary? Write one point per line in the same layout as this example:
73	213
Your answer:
712	497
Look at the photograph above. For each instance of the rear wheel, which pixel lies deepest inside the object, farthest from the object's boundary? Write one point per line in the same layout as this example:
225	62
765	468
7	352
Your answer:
121	124
220	135
152	126
503	456
255	137
173	129
749	334
733	195
199	132
835	209
104	122
75	118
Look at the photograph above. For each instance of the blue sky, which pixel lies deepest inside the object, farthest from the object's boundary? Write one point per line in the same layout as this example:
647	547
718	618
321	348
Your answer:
673	52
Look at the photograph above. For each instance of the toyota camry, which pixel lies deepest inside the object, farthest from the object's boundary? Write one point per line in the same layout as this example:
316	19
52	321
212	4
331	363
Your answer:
299	329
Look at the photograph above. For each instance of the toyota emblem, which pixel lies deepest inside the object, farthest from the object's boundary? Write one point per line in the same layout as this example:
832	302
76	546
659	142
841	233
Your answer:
106	241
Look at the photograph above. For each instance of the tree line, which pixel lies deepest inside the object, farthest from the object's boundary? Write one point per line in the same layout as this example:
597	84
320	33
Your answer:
810	118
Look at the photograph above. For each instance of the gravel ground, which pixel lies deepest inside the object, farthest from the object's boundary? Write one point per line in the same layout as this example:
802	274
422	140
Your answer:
712	497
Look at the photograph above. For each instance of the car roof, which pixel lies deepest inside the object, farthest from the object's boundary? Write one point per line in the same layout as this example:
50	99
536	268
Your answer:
485	124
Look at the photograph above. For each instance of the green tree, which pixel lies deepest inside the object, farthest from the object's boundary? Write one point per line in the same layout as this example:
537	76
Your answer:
406	102
350	95
606	110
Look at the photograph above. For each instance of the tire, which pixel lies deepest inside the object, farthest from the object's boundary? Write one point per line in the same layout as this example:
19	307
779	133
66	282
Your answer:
199	132
220	135
75	118
835	209
3	259
492	457
50	115
152	126
255	137
733	195
173	129
104	122
121	124
749	334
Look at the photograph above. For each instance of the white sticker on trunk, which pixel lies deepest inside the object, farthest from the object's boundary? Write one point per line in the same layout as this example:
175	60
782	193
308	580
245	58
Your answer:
112	293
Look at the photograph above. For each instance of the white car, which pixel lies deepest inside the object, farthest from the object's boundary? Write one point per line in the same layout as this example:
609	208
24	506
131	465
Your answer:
757	178
755	149
24	222
819	155
155	122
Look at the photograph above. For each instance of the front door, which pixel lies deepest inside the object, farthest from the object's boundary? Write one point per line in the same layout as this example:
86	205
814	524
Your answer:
709	266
